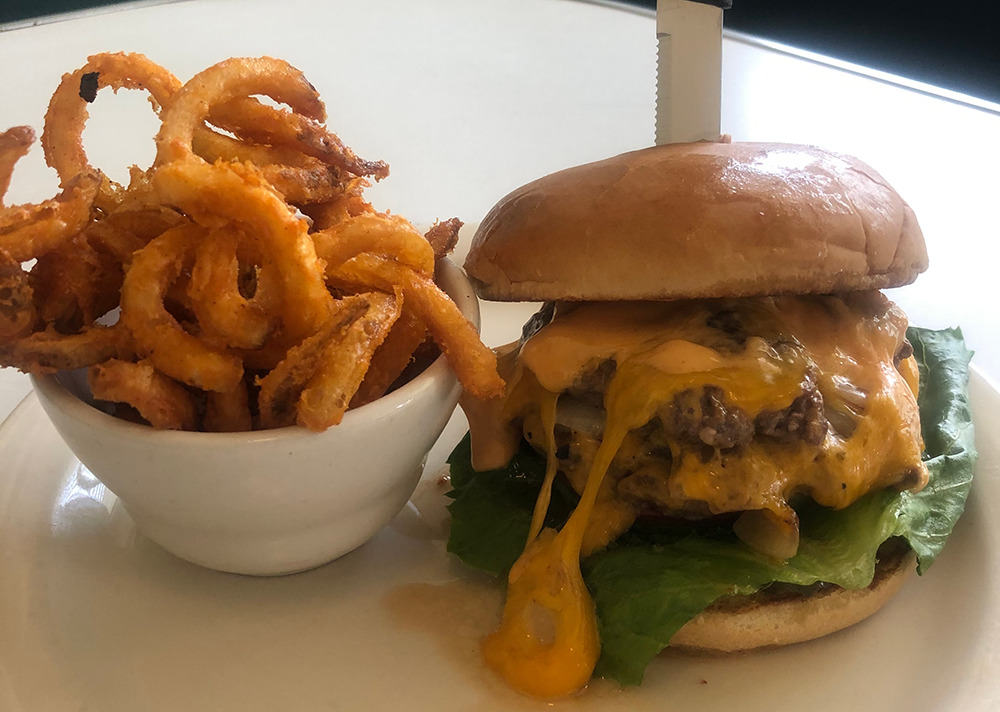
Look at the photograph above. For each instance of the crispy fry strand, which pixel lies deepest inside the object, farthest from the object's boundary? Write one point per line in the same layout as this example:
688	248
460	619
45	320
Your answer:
113	237
17	308
157	333
161	401
328	393
228	412
50	351
302	185
348	203
377	233
14	145
443	236
250	119
299	178
281	387
473	363
139	210
391	358
213	146
76	284
28	231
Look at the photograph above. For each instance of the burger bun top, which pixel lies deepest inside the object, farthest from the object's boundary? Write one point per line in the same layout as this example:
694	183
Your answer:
699	220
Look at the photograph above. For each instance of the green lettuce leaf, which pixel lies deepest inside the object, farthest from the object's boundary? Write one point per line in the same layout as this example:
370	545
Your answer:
645	593
491	511
650	584
927	517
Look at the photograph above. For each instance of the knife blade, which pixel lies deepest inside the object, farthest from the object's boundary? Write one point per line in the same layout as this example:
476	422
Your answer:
689	69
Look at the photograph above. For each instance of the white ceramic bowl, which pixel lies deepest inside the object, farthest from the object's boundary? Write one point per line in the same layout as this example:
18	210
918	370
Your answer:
272	501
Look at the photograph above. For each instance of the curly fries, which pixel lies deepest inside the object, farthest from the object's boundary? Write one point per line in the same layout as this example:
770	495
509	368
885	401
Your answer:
242	281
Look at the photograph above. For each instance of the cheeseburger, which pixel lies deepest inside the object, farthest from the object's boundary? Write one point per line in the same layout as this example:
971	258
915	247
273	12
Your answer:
718	404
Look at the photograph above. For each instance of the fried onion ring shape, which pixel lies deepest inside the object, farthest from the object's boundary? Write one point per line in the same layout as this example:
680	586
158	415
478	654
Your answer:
250	119
49	351
229	411
281	387
62	137
29	231
161	401
231	79
328	393
158	335
473	363
17	306
378	233
14	145
225	315
215	195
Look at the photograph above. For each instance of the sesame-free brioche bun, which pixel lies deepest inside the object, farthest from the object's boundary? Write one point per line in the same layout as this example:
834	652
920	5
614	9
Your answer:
744	623
699	220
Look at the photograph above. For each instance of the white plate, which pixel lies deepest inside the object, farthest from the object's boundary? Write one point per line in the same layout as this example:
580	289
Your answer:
93	616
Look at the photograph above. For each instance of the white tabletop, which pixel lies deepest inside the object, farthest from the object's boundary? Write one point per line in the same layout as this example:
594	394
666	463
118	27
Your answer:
468	99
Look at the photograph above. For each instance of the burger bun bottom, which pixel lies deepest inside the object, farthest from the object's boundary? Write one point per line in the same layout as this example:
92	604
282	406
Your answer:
745	623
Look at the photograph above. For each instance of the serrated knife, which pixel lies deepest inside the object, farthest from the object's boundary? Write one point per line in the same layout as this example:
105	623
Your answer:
689	69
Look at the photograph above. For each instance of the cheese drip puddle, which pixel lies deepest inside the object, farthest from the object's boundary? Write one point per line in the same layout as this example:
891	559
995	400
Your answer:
548	643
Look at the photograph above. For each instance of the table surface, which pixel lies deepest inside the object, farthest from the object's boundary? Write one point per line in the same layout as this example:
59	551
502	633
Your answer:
467	99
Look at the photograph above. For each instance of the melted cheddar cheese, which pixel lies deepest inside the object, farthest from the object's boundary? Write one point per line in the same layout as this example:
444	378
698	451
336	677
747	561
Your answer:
547	642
